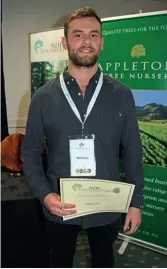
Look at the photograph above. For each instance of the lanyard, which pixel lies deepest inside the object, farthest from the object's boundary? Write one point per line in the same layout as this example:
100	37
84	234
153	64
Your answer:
72	104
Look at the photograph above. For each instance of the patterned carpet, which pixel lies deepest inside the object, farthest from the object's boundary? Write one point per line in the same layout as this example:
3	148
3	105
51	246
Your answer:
16	188
133	257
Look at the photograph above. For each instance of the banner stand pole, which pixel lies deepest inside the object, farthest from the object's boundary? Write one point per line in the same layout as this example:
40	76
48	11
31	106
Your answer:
142	243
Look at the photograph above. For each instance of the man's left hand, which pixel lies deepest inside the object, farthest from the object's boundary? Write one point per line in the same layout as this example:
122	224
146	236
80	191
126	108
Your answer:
133	220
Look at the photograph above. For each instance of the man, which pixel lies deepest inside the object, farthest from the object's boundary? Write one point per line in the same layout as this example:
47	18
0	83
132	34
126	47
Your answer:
112	121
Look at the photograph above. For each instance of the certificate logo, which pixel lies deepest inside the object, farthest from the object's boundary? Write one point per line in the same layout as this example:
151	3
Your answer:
76	186
93	189
116	190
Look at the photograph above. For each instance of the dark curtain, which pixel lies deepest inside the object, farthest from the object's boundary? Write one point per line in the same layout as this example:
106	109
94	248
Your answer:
4	121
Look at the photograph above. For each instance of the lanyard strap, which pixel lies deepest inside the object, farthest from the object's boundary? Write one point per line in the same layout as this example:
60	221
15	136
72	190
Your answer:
71	102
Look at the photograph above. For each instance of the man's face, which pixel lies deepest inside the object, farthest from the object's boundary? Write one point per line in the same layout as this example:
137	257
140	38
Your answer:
84	41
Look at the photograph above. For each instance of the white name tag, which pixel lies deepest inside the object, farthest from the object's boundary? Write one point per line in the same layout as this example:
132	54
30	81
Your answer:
82	156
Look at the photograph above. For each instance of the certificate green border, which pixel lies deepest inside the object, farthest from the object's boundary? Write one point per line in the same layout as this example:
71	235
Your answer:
62	180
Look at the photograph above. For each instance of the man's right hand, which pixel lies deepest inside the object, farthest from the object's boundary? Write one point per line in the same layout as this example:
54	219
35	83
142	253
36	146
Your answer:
55	206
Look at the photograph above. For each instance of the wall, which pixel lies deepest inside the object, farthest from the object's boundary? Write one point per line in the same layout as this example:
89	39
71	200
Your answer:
22	17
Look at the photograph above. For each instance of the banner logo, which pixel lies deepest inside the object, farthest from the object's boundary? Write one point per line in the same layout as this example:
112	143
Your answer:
42	48
138	51
38	44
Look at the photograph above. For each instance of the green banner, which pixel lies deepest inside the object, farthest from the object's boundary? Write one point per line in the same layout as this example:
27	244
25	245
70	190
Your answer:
154	214
154	226
135	53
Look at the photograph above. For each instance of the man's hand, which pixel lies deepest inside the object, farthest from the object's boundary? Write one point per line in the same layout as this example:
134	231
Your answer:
133	220
55	206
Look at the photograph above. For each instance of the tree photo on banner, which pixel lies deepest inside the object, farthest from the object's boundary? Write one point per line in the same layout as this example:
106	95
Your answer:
48	57
135	53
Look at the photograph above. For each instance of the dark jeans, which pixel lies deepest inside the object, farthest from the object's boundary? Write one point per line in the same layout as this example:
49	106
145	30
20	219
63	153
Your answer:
62	243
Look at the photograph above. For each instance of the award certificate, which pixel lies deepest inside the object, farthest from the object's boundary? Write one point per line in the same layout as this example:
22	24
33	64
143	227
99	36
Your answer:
95	195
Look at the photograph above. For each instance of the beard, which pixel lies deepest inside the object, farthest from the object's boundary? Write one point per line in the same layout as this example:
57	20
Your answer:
83	61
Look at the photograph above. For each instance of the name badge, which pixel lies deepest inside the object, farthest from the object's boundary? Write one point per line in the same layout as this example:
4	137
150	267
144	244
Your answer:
82	155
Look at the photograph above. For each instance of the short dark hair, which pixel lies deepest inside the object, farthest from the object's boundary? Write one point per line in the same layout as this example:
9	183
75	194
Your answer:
81	13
